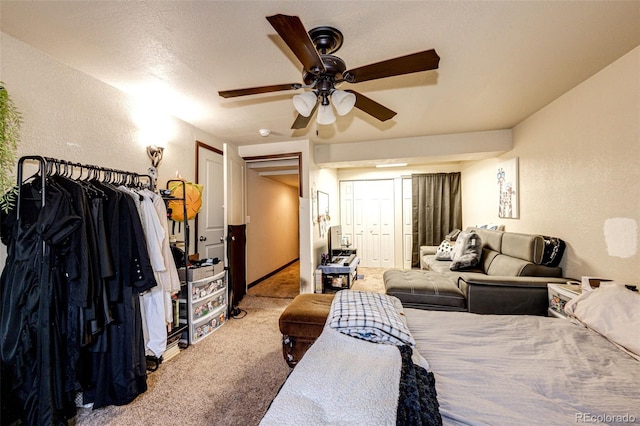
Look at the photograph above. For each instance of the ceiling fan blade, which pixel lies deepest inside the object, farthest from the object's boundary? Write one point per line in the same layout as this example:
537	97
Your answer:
302	121
372	107
294	34
416	62
257	90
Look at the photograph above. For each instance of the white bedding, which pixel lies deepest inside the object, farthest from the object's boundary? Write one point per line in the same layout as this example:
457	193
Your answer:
351	374
525	370
333	384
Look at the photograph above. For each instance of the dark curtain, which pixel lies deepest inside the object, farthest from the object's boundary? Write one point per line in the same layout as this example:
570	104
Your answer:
436	209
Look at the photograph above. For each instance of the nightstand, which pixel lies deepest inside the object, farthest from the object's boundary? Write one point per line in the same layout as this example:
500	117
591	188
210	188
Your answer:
559	295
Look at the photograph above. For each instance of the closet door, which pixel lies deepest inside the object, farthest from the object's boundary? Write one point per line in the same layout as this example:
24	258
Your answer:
407	226
384	191
346	211
359	218
373	220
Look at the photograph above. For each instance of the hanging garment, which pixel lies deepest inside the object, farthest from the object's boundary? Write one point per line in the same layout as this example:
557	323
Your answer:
34	300
153	311
70	317
167	279
117	375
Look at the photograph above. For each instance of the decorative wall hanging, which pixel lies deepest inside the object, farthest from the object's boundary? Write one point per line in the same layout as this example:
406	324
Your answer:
314	203
323	212
507	179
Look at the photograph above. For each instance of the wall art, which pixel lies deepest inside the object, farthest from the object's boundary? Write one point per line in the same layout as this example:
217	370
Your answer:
507	179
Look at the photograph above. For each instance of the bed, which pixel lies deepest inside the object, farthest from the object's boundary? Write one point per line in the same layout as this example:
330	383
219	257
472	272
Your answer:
488	369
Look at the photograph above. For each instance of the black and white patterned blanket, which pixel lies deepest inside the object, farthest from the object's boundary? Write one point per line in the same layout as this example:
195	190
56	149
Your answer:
369	316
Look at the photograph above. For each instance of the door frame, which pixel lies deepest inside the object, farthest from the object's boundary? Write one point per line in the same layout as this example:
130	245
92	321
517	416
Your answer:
298	155
283	156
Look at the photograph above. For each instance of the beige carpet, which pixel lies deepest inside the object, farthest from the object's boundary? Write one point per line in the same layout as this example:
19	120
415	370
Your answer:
286	283
228	378
370	279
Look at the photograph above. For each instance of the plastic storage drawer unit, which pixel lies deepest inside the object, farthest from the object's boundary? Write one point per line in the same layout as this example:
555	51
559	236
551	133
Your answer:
559	295
206	306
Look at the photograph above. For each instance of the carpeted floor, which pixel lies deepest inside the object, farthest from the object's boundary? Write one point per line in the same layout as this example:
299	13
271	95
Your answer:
286	283
228	378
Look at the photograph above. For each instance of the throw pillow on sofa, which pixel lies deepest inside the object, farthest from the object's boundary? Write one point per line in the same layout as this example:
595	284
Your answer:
444	250
453	235
467	251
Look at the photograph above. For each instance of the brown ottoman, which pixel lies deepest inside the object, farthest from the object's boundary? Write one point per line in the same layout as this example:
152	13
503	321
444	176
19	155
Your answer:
301	323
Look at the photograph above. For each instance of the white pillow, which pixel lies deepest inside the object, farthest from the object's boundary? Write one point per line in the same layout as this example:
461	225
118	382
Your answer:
444	250
611	310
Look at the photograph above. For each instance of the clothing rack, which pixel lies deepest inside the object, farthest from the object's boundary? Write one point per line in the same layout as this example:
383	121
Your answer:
50	166
74	289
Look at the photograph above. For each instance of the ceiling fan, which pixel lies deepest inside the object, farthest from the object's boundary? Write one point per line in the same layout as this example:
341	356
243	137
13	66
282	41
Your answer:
323	72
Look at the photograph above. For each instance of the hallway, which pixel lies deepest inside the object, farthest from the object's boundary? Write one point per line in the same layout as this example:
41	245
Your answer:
283	284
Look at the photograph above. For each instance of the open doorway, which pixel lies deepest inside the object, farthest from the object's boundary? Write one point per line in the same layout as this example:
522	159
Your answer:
273	236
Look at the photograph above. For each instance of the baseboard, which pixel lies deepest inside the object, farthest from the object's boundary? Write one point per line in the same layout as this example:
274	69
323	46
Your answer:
270	274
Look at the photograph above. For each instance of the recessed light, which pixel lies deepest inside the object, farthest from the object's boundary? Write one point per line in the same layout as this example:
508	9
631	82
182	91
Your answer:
391	165
264	132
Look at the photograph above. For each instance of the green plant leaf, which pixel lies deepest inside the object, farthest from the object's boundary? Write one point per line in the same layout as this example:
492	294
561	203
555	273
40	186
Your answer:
10	126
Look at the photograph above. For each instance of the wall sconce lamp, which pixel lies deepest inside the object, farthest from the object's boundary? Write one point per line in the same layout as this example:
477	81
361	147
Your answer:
155	154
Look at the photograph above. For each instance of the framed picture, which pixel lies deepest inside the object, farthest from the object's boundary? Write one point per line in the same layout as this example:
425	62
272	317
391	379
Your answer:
323	204
314	203
323	212
507	179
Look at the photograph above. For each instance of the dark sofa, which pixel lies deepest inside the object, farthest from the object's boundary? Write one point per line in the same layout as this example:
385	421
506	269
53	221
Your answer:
509	279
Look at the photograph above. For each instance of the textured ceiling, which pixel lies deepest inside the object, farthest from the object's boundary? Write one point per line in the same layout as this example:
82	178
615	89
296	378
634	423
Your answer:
501	61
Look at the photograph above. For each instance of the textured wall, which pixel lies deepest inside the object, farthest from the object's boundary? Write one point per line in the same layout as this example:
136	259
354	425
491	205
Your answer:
579	174
69	115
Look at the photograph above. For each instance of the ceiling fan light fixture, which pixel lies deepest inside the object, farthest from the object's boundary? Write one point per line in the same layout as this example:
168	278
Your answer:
343	101
304	103
326	115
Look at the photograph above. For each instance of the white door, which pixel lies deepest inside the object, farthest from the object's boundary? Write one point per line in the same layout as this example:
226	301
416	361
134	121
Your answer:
359	223
211	217
346	211
407	223
372	210
384	189
372	219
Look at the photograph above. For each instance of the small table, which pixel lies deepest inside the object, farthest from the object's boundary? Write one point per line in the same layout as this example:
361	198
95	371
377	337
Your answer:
559	295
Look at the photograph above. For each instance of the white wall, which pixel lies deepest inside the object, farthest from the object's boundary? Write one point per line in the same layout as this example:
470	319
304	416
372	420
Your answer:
70	115
235	202
579	174
325	180
369	173
419	149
